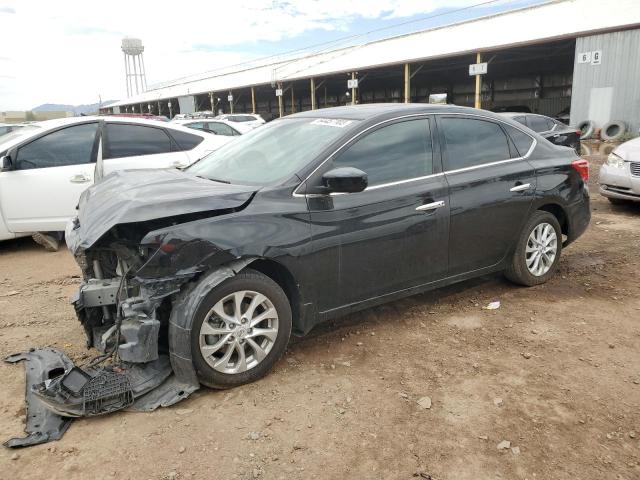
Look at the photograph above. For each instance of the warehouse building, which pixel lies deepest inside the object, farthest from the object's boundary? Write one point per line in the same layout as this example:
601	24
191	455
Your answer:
577	56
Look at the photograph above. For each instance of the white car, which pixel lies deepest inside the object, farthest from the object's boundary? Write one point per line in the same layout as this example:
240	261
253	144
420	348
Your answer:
252	120
620	175
6	128
43	171
217	127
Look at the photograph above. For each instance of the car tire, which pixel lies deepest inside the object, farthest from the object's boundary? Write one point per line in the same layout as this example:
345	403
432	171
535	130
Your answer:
613	131
588	128
523	268
247	283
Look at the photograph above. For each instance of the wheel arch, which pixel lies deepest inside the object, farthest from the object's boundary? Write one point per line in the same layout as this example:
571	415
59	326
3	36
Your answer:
285	280
560	213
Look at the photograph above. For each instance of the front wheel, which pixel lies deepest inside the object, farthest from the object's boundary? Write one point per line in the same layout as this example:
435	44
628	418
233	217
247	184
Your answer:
538	251
240	330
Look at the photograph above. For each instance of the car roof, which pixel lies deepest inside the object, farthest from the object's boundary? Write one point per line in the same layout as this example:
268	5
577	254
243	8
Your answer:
373	110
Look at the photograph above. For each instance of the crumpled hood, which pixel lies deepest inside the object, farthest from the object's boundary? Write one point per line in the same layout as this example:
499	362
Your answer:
629	151
129	196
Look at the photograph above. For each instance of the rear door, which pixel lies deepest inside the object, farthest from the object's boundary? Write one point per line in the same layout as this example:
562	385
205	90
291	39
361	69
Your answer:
134	146
393	235
490	189
50	172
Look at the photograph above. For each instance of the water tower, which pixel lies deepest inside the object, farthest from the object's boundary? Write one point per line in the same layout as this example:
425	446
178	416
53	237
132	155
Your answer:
134	65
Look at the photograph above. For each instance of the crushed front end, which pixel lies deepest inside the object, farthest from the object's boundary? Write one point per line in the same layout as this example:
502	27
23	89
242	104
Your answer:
129	302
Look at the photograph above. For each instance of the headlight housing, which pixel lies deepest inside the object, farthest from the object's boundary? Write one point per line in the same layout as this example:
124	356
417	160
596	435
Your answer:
614	160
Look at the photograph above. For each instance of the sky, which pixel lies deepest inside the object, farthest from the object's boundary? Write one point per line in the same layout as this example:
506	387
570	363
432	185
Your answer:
68	51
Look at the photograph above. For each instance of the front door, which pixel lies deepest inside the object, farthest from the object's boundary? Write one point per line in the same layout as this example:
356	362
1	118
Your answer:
393	235
490	189
50	173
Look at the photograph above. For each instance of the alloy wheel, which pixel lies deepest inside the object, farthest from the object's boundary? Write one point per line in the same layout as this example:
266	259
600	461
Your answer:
542	248
238	332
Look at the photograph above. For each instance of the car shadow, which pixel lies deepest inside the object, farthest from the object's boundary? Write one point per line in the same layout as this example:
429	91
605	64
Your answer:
496	283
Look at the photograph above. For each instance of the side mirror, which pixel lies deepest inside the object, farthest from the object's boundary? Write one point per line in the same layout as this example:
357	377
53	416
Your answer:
345	180
6	164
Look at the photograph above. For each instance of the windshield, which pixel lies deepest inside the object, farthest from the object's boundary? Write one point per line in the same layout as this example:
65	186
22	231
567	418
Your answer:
272	152
18	132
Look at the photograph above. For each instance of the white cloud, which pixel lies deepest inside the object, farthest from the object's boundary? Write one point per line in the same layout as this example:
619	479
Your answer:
69	52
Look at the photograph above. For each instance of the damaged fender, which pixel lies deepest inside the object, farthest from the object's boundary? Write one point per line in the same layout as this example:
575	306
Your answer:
182	316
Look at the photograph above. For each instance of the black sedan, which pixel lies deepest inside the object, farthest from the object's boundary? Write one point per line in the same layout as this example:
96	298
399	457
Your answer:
311	217
553	130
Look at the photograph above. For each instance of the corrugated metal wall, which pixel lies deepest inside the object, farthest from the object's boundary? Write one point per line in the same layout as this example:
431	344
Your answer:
611	90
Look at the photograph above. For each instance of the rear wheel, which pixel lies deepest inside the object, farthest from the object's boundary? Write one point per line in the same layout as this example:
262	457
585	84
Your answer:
240	330
538	251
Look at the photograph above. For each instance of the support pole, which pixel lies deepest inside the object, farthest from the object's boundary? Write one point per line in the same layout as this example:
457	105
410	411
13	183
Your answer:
313	93
126	73
293	102
353	90
478	103
230	103
280	106
407	83
213	107
253	100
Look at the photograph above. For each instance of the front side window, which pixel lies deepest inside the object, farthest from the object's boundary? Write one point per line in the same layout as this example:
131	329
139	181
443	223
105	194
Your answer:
400	151
272	153
471	142
125	140
69	146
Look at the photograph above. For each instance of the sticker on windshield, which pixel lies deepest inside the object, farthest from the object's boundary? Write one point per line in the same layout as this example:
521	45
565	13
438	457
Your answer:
332	122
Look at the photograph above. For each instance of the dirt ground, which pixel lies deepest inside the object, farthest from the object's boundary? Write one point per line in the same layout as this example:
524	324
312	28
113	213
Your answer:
555	371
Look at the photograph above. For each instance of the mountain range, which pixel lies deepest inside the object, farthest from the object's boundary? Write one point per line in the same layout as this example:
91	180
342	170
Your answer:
76	109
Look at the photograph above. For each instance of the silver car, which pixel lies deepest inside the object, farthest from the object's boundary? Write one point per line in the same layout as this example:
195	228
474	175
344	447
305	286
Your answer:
620	175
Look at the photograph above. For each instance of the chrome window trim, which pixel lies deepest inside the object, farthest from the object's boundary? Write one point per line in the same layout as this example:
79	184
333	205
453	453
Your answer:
446	172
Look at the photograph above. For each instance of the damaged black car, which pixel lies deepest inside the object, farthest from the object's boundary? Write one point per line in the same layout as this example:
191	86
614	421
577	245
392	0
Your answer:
199	277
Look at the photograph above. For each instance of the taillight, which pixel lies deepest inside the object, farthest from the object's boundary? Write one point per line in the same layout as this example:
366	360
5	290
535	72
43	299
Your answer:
582	167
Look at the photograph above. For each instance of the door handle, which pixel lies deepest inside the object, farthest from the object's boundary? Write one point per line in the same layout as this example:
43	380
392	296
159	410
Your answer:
430	206
80	178
520	188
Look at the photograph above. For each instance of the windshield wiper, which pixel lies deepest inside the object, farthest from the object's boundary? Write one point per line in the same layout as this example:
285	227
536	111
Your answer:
214	179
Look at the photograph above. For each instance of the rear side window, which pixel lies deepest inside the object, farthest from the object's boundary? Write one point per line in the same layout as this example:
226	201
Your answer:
472	142
185	141
69	146
521	140
520	120
124	140
400	151
220	129
539	124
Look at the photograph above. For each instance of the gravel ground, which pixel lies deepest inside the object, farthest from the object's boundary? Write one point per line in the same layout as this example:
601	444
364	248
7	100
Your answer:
545	387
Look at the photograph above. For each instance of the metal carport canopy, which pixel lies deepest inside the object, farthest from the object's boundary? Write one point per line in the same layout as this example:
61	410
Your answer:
554	20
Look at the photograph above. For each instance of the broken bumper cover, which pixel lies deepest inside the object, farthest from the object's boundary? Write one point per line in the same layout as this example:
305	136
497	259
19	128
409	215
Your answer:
58	391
